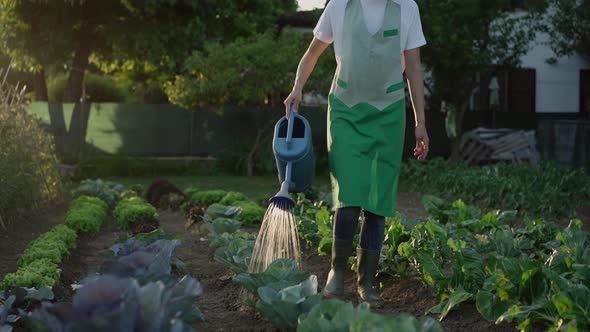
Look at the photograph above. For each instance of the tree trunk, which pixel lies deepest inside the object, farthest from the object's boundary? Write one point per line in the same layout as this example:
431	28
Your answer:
250	159
455	142
262	136
73	89
40	85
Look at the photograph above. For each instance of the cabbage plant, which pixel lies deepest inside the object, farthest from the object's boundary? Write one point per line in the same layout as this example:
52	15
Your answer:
284	306
109	303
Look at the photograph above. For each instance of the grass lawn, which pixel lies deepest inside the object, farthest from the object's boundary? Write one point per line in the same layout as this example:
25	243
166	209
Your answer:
256	187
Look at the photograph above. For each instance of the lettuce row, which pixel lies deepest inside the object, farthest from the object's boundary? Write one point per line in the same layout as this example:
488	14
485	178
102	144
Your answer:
86	215
37	274
38	264
132	209
53	245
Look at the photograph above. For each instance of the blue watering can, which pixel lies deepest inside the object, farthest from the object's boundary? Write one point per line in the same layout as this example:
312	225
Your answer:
293	150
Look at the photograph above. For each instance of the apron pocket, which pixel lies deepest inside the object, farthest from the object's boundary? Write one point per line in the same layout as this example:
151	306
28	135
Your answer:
390	33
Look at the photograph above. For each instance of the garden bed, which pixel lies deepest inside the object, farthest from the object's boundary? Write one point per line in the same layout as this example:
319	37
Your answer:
221	302
222	305
20	232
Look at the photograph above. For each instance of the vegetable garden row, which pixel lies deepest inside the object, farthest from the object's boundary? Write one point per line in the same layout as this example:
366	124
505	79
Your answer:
515	269
520	270
134	289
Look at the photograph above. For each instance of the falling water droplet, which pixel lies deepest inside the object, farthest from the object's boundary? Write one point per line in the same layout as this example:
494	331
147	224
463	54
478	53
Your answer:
276	239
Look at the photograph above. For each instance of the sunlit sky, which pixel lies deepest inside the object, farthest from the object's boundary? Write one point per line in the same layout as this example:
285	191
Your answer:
311	4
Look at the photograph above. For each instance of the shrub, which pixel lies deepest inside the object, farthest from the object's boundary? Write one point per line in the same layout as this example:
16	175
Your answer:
53	245
131	210
232	197
86	214
251	214
207	197
37	274
28	166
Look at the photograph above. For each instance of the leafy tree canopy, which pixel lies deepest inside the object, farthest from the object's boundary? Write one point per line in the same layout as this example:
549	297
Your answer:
252	71
569	27
466	37
119	35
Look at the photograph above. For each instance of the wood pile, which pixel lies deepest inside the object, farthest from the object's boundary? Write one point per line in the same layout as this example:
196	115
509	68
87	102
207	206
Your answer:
482	146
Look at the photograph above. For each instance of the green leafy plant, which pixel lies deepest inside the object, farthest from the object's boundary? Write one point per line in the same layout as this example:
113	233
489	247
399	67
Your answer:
284	271
529	275
236	256
217	240
232	197
29	168
537	191
283	306
217	210
53	245
121	304
86	214
19	301
251	214
131	210
337	315
37	274
222	225
206	197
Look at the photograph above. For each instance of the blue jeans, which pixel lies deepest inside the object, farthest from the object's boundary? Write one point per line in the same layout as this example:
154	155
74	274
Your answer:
372	231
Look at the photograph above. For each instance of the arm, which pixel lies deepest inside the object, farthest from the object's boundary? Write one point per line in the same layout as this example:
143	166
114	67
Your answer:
416	85
304	70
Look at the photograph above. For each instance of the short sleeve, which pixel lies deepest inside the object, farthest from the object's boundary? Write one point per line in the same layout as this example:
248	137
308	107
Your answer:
415	37
323	30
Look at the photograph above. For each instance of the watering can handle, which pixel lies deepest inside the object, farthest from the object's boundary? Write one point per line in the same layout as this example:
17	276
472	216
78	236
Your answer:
290	126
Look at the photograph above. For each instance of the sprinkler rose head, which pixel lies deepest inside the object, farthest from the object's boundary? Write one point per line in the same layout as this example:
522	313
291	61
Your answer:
282	199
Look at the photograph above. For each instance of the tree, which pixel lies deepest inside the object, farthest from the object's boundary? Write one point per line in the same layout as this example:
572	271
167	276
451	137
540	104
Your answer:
38	33
569	27
256	72
151	37
471	38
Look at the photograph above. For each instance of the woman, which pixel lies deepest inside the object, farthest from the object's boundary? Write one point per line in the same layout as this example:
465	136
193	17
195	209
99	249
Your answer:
374	41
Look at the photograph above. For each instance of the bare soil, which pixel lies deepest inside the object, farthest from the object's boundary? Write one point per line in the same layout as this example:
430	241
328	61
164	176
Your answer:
221	301
19	232
87	257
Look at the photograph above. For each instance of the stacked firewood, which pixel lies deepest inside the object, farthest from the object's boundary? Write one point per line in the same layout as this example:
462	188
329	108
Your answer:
482	146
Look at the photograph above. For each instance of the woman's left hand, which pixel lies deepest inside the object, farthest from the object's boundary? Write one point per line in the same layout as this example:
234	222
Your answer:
421	149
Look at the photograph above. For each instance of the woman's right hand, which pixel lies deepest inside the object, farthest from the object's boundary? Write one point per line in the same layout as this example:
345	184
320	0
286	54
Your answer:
294	99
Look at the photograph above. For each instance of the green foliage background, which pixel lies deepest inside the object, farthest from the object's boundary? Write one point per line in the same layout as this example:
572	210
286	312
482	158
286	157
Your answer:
28	167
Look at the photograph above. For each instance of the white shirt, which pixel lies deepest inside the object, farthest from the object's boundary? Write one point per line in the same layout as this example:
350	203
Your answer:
329	27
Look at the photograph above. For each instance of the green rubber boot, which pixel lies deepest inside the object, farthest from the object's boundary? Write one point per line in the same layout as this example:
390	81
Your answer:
341	250
368	261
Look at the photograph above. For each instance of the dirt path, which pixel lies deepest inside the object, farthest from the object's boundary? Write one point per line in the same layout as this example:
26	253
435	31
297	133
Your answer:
220	302
23	230
86	257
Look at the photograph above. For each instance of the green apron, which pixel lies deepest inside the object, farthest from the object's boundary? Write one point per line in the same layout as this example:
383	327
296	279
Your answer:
366	114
